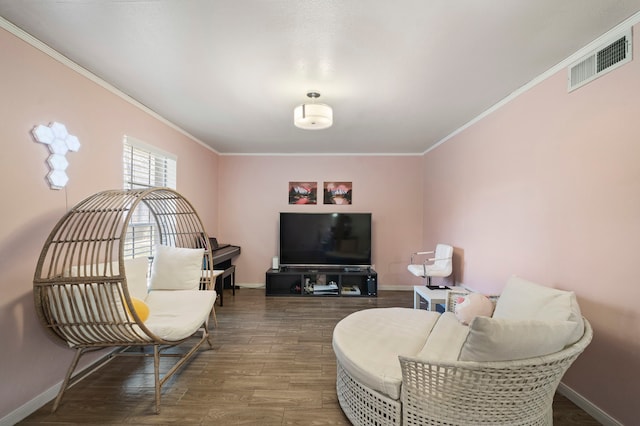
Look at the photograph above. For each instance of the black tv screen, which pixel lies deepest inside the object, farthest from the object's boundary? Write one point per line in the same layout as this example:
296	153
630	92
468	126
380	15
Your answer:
325	239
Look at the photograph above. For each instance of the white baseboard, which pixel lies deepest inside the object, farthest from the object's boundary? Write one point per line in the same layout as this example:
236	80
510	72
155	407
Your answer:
250	285
30	407
591	409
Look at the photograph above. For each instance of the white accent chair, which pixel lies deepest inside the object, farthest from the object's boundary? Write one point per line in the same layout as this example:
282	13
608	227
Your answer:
440	265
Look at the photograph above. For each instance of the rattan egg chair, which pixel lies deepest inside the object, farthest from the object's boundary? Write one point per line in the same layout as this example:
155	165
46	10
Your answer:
81	292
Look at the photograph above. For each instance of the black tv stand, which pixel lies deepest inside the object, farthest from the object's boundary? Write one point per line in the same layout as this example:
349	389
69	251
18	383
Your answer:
320	281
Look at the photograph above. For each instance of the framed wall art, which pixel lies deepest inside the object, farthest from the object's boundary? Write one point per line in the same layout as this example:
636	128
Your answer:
303	192
338	192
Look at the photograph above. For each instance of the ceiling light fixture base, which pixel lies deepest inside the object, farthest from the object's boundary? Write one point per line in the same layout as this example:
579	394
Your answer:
313	116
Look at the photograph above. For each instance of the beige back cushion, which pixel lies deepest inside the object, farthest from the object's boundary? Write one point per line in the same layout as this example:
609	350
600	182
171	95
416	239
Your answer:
494	339
529	320
525	300
136	271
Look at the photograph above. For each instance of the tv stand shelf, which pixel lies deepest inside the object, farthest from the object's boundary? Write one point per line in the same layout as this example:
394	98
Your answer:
317	282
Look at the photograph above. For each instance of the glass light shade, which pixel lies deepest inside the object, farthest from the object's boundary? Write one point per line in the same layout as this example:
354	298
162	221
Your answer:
58	146
43	134
313	116
57	162
57	179
73	143
59	130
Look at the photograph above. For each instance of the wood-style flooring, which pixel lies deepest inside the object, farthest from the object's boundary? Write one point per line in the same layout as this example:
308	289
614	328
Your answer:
272	364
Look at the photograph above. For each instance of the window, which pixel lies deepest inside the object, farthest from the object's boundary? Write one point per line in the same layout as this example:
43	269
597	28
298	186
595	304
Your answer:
145	167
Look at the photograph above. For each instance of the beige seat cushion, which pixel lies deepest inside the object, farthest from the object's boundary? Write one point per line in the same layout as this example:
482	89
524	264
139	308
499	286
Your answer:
177	314
445	340
367	344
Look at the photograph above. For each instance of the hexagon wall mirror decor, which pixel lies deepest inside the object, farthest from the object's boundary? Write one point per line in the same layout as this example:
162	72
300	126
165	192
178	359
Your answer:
59	141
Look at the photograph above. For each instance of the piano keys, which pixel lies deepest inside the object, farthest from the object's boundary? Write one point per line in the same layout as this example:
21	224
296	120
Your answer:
224	255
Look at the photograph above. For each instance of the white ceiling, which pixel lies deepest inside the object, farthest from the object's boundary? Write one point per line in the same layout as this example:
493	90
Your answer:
400	75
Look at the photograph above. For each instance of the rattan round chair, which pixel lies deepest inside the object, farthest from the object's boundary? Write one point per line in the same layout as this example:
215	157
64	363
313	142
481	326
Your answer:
80	283
485	393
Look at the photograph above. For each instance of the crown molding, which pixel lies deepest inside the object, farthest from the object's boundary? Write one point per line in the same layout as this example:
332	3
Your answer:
623	26
54	54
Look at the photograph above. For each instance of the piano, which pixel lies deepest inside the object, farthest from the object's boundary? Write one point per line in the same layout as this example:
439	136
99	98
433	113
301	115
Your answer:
223	255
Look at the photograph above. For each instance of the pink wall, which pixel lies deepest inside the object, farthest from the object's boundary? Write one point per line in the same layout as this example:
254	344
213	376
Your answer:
254	189
37	90
548	188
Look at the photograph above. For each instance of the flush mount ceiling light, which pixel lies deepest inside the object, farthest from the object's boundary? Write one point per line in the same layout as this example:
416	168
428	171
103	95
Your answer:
313	116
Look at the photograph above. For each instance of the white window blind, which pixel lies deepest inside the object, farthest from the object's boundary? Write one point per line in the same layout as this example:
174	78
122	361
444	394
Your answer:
145	167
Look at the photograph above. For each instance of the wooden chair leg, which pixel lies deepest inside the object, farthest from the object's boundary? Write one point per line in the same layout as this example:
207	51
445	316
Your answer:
208	336
65	382
215	318
156	373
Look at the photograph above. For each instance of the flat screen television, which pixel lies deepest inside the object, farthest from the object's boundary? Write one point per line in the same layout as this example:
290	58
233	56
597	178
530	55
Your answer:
325	239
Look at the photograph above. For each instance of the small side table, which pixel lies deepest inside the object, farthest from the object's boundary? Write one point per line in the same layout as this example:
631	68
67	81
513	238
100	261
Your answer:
432	297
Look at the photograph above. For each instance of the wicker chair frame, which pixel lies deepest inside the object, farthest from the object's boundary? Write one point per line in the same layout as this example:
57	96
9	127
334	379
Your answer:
363	405
90	308
485	393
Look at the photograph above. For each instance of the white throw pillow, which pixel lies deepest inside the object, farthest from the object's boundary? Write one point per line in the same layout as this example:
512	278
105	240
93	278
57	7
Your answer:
522	299
495	339
176	268
136	271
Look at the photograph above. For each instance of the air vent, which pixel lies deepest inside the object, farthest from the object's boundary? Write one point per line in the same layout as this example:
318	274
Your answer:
609	56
